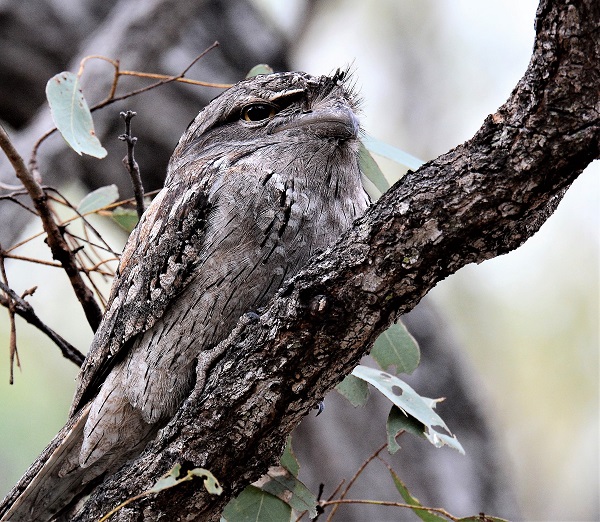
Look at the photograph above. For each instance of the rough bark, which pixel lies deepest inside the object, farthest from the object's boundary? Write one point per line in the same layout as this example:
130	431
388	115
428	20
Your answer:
482	199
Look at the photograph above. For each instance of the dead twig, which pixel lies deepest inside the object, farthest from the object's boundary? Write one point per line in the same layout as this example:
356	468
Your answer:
22	308
441	511
14	354
335	503
131	165
56	241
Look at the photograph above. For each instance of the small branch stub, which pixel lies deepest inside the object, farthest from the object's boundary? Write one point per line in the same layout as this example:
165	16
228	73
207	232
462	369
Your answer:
130	163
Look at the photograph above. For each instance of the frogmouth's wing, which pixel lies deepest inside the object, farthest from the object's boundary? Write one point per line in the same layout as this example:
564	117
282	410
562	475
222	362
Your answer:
155	265
160	254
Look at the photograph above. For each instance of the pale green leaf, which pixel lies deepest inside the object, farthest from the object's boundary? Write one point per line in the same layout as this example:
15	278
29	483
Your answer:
98	199
172	478
72	115
255	505
354	389
168	480
281	483
261	68
426	516
374	181
410	403
396	347
210	481
396	422
126	218
389	151
288	459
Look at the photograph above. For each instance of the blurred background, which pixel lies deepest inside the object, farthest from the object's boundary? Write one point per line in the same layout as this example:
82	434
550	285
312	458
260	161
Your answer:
523	327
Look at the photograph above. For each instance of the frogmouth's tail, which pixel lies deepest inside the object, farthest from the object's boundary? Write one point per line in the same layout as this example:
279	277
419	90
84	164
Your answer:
55	482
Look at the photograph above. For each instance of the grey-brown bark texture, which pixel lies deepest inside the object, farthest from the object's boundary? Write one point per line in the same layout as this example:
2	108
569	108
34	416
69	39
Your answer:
481	199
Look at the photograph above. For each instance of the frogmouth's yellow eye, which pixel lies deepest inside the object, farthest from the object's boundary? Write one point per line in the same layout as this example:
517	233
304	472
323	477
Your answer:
258	112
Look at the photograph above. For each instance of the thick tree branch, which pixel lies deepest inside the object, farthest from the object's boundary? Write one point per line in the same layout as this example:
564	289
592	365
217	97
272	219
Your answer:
482	199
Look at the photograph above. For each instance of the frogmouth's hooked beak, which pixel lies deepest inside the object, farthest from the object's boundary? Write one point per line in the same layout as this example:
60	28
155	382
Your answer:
326	122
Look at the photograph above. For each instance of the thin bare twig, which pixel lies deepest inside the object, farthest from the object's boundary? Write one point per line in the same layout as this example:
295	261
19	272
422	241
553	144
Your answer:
12	198
101	212
338	502
163	79
56	242
92	244
23	309
14	354
319	507
373	456
131	165
83	217
7	186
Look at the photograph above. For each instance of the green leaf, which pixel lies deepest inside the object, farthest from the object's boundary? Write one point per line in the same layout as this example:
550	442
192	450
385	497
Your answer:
426	516
396	347
210	481
72	115
261	68
255	505
389	151
396	422
125	218
98	199
374	181
281	483
288	459
172	478
410	403
354	389
168	480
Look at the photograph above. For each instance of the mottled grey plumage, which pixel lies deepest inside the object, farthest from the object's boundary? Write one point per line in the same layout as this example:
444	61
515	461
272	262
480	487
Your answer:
265	176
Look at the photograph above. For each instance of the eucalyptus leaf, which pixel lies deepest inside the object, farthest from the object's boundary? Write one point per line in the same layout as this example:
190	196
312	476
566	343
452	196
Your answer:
410	403
288	459
210	481
72	115
281	483
396	422
168	480
354	389
261	68
377	182
172	478
396	347
426	516
126	218
255	505
389	151
98	199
